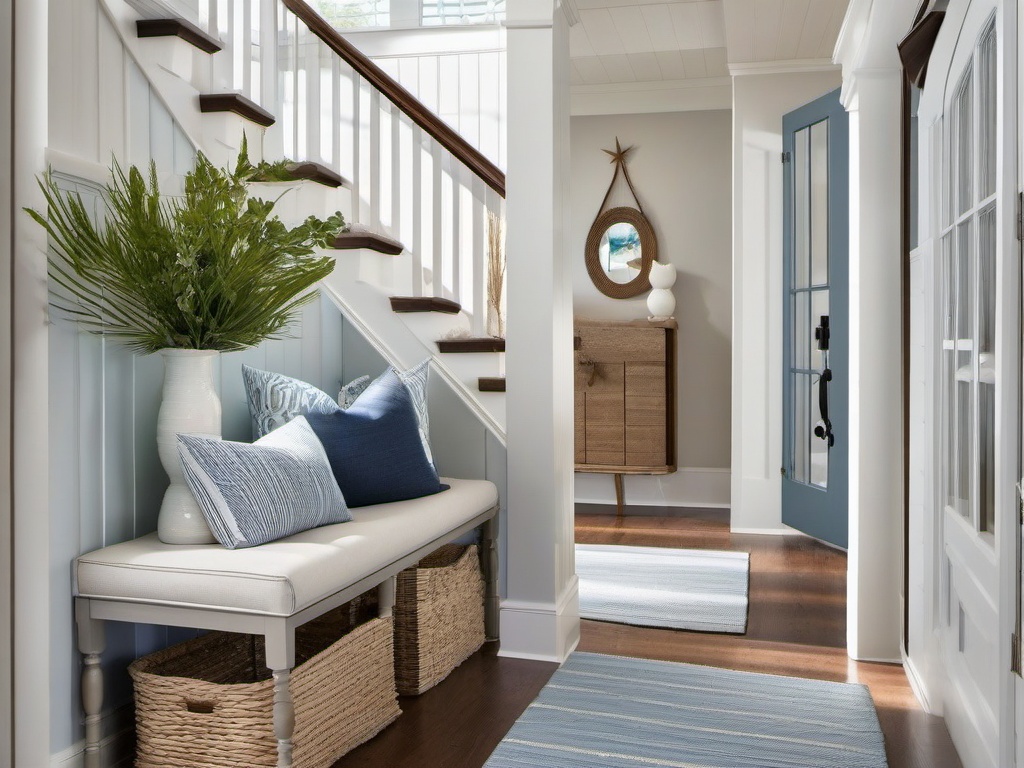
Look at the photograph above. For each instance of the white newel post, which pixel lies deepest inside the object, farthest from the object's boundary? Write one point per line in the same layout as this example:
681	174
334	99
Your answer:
190	405
540	613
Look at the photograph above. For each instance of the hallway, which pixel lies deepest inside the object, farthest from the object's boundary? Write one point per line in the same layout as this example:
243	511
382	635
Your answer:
796	626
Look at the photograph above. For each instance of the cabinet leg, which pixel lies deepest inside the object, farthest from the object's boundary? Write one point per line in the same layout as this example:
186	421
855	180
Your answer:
619	495
284	717
489	565
91	642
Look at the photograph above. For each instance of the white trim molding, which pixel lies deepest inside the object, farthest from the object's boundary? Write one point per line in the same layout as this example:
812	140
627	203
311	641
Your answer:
703	487
652	96
117	748
781	67
542	631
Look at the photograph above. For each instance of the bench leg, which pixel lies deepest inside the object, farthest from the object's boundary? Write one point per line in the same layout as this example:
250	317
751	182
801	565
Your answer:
386	597
284	717
91	642
489	565
280	660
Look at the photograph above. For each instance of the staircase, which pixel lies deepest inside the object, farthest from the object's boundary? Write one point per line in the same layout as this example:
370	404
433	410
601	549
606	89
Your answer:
412	272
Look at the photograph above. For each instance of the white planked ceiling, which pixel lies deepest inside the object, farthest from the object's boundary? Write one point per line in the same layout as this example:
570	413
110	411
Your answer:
619	41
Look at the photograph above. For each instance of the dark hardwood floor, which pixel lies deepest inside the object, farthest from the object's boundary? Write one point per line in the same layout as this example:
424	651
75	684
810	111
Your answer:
796	626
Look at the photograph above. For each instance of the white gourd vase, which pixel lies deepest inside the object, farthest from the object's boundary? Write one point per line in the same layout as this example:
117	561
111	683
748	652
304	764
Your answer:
660	301
190	405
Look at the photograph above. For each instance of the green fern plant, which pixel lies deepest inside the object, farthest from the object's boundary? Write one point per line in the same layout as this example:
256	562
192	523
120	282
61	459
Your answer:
213	269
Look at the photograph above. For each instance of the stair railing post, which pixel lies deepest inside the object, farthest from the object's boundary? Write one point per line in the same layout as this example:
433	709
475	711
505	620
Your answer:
269	96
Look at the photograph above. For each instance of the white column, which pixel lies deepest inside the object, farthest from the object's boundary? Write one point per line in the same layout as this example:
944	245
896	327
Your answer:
876	409
6	382
30	421
540	615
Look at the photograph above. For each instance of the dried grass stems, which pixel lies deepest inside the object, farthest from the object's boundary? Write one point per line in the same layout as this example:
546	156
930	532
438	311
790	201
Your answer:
496	273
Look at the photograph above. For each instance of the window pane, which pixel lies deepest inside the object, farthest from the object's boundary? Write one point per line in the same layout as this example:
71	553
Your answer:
987	470
963	155
819	203
819	447
801	427
986	368
987	281
801	208
344	14
987	108
949	368
819	307
802	332
439	12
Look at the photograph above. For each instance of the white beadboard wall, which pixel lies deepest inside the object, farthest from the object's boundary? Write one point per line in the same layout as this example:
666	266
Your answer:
106	480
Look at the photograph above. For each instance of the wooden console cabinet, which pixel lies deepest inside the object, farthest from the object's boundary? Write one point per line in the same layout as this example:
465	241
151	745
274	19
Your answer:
625	398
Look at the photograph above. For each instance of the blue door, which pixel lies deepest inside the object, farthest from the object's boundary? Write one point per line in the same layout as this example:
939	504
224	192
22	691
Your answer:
815	320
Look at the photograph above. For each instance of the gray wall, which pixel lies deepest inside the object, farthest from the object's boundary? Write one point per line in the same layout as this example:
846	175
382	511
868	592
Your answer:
681	169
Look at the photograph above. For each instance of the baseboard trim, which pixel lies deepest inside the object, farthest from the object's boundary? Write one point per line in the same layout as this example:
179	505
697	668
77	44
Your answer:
917	685
540	631
784	531
704	487
117	749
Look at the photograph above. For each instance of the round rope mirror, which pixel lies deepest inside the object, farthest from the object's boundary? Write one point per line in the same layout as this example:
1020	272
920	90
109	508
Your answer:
621	244
620	248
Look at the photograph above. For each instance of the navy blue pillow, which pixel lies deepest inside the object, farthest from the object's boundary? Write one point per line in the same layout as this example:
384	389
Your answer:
374	447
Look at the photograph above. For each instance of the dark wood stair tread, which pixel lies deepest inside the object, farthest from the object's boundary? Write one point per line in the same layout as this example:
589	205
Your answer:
485	344
491	383
321	174
371	240
174	27
424	304
237	103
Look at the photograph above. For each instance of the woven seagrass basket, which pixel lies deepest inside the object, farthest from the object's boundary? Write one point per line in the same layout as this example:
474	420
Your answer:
208	702
439	617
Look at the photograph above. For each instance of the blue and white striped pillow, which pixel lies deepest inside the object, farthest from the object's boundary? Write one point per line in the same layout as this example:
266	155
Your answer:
252	493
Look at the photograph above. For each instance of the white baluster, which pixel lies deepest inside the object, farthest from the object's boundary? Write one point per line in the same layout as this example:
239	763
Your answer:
359	207
269	98
374	179
311	56
478	259
244	50
457	255
418	245
335	127
436	217
396	173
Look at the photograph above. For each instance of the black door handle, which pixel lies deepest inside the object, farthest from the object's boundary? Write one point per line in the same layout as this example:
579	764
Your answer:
824	430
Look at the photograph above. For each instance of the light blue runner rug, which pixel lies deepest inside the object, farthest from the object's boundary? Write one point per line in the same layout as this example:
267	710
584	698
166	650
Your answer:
697	589
612	712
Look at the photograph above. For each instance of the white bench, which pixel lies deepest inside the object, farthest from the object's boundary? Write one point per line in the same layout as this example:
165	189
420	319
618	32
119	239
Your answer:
271	589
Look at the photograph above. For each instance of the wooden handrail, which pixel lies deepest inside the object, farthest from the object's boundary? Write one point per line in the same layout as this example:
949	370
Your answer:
467	154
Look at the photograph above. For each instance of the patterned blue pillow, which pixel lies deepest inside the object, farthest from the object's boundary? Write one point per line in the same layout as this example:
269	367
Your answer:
375	448
349	392
252	493
275	399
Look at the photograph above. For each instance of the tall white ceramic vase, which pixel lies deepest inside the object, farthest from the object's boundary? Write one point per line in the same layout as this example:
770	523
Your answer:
660	301
191	405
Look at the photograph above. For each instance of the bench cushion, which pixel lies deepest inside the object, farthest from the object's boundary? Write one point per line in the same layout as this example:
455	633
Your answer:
284	576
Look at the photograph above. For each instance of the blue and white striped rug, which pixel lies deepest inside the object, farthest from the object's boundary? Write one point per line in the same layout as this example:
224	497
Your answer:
697	589
612	712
